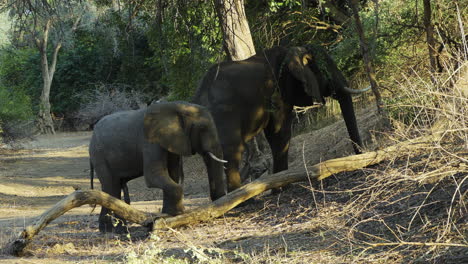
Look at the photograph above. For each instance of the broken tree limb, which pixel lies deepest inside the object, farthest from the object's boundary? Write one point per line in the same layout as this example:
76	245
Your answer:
317	172
77	199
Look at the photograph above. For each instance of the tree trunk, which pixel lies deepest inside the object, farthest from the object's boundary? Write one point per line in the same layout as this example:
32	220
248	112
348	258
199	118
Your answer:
430	37
45	122
238	41
365	54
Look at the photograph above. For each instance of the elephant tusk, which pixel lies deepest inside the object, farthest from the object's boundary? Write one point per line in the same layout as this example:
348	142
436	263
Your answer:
354	91
216	158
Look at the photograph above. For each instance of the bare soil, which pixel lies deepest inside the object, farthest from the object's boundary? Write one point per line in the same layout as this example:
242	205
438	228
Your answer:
287	227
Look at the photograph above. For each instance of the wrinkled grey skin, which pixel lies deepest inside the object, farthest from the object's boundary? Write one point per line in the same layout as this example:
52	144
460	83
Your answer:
246	97
150	142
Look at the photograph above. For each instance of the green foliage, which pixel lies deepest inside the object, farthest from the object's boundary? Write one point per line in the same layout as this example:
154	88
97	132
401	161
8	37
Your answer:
15	110
275	6
19	69
15	82
14	105
384	34
185	43
164	50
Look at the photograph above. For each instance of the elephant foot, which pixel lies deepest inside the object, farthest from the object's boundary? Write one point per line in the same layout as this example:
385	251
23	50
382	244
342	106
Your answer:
215	195
172	211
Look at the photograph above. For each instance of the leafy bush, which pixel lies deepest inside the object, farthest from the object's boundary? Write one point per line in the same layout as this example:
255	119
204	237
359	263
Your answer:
15	115
20	71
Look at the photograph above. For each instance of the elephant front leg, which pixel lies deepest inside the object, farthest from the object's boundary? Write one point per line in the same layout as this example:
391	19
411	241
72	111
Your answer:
157	176
279	144
172	194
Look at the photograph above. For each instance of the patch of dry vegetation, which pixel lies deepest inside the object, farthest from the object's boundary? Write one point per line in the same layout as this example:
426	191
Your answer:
410	209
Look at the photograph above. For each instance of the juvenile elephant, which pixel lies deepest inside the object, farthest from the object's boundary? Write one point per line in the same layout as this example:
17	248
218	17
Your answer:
246	97
150	142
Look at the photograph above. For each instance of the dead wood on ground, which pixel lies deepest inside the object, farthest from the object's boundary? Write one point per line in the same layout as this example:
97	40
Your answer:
219	207
77	199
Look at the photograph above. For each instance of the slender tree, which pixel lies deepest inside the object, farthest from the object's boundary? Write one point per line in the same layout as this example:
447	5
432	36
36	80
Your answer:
365	54
46	25
430	36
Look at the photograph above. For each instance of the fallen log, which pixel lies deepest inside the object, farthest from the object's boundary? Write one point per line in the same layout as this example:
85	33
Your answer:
77	199
217	208
319	171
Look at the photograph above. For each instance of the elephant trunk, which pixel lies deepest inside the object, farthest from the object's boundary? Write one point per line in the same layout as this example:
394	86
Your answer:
347	110
215	169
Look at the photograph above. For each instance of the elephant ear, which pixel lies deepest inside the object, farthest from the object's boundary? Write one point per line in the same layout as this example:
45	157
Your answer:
297	60
165	125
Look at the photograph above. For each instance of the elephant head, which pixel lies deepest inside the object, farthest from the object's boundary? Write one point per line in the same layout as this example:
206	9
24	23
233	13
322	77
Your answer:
182	128
319	75
316	76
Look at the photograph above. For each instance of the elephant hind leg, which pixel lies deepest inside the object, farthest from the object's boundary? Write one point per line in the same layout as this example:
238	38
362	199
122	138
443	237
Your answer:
233	155
125	192
106	217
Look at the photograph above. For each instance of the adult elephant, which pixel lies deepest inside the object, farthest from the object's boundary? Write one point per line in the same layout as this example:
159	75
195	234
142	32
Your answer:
150	142
246	97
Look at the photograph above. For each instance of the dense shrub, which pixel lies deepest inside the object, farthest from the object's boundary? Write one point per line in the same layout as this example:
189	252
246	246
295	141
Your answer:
15	115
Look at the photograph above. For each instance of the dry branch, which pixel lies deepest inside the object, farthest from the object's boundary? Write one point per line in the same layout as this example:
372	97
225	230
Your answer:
77	199
318	172
217	208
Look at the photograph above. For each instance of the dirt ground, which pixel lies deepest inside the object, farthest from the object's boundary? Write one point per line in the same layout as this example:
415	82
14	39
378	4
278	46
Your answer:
50	167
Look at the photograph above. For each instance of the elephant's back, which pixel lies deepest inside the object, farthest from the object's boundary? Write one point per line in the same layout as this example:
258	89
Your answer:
240	82
119	132
121	122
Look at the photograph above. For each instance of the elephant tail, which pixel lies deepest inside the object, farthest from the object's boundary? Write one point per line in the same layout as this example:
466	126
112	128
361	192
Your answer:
91	174
91	177
125	191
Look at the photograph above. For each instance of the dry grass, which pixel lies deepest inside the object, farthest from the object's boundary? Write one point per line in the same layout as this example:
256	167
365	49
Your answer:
411	209
414	208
